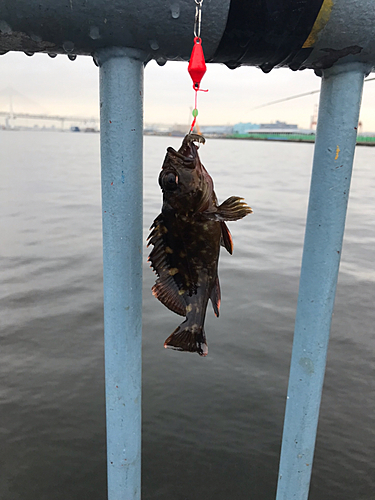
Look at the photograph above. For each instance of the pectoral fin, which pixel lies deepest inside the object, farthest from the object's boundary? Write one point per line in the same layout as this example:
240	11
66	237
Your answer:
234	208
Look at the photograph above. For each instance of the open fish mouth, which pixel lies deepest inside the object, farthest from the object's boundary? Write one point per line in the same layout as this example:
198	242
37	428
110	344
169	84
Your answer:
189	138
188	149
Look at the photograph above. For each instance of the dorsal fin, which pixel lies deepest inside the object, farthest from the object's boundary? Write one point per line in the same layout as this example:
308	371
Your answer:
165	288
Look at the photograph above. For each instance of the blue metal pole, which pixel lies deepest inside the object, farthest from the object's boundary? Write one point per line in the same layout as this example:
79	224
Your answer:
121	133
339	107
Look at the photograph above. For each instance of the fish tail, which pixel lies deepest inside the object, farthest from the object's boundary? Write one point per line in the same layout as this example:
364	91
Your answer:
189	338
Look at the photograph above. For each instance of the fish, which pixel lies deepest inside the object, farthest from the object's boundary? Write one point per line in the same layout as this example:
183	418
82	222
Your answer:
186	238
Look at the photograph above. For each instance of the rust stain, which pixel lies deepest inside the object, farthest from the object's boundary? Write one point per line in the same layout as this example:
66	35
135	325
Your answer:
337	152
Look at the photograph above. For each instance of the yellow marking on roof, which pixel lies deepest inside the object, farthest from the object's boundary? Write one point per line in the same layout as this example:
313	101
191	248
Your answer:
337	152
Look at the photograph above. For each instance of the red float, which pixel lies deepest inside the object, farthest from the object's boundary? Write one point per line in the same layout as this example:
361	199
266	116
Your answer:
197	66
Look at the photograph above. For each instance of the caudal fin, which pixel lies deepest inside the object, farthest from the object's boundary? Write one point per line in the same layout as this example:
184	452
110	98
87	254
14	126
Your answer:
189	338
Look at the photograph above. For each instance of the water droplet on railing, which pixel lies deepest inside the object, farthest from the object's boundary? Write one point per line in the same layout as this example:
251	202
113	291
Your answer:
232	64
72	57
94	32
68	46
175	10
161	61
267	67
29	53
52	54
154	44
5	28
35	38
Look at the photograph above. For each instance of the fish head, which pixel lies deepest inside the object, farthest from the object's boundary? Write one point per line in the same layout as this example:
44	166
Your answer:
183	179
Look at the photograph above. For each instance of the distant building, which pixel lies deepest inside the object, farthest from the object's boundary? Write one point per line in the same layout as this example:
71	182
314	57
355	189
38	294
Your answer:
278	125
179	128
273	132
156	129
244	128
216	129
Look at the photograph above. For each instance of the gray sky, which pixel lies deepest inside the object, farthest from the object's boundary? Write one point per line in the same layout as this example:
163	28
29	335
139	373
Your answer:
61	86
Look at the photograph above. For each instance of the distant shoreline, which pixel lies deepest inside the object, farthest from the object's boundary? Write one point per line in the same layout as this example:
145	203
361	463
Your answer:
305	138
362	140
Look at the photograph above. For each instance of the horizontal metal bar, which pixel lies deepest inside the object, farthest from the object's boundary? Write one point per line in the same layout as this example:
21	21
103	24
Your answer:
162	28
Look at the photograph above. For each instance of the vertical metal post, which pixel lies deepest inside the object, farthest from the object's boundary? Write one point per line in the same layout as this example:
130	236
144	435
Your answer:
121	133
339	107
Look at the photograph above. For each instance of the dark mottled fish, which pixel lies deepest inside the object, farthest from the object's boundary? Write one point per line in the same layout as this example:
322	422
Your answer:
186	239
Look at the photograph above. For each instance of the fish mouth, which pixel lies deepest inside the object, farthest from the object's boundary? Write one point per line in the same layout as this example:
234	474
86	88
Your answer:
188	150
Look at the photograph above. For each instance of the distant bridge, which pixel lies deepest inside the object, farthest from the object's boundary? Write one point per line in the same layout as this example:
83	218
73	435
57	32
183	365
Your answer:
9	115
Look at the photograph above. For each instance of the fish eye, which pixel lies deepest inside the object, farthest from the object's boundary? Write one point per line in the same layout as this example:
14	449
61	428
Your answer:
170	181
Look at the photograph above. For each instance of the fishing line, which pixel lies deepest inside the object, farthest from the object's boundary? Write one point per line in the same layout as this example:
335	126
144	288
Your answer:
295	97
197	65
194	112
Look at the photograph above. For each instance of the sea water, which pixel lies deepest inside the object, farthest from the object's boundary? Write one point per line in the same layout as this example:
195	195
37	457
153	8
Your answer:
211	427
